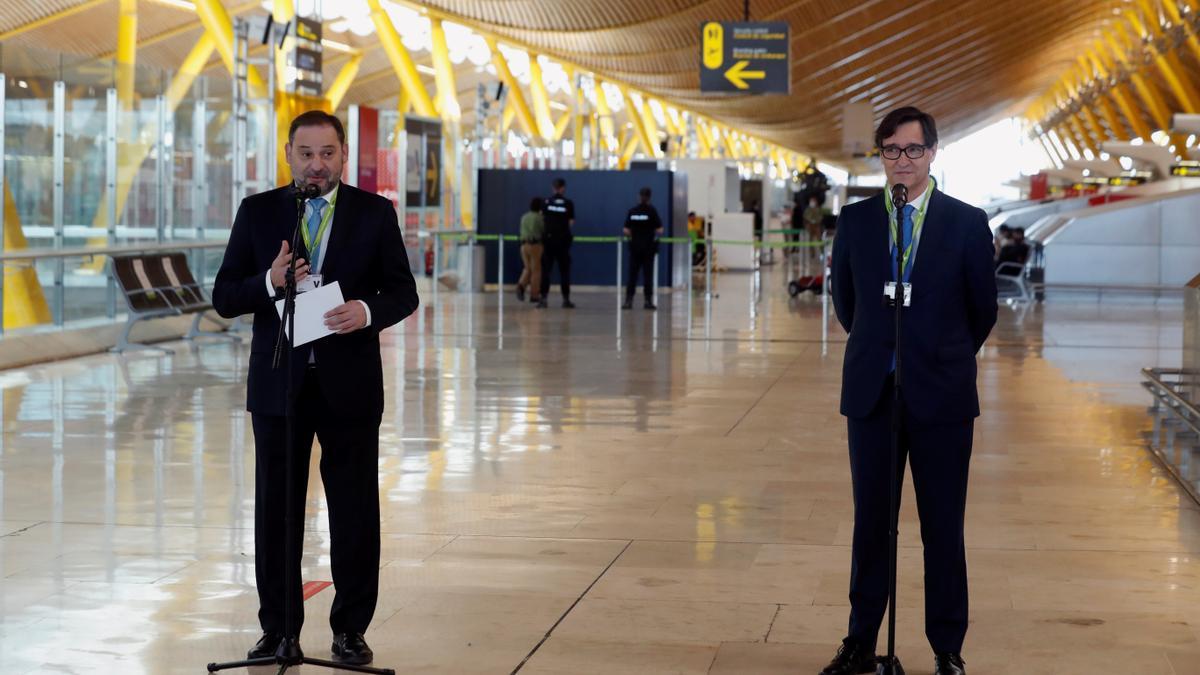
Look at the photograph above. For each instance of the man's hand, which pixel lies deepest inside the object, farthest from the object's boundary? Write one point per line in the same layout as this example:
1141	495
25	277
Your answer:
659	231
346	317
626	231
280	265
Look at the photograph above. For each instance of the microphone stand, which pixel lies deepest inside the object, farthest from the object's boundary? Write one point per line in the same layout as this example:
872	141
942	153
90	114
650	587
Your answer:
288	653
890	665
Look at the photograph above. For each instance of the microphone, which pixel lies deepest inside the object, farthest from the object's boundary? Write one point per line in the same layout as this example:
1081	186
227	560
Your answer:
899	196
306	191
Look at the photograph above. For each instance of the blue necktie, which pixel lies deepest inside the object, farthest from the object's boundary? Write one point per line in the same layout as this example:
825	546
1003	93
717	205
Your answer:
314	226
906	233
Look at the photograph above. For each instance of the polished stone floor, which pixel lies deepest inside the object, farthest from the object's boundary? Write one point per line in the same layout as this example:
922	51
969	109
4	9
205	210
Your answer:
569	492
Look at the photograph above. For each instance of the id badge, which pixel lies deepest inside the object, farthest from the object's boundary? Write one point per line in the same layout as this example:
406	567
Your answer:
889	292
311	283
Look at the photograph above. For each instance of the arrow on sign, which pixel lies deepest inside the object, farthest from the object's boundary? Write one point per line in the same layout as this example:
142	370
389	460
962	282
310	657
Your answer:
738	74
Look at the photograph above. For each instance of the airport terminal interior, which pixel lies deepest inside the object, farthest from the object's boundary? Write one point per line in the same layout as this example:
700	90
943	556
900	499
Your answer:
657	486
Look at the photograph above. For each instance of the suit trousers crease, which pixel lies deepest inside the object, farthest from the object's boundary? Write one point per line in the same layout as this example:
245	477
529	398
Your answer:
940	456
350	477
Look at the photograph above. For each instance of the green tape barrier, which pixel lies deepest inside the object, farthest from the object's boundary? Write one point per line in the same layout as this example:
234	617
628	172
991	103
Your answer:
457	236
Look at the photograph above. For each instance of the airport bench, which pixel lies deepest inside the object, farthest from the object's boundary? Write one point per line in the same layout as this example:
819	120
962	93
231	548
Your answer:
159	284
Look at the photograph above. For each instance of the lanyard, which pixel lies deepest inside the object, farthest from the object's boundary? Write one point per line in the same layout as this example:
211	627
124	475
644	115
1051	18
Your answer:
308	243
918	221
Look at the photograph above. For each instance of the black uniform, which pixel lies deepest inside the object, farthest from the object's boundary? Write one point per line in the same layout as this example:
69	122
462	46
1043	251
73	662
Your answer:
643	224
558	215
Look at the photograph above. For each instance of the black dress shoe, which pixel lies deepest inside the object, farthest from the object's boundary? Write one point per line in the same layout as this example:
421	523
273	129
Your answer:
266	646
852	658
649	305
628	304
351	649
567	304
949	664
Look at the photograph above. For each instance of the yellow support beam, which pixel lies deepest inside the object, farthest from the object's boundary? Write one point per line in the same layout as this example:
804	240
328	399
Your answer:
1084	139
1168	63
24	302
560	127
1119	93
578	124
216	21
607	124
401	60
651	125
1189	31
704	138
1115	129
627	154
541	99
126	52
635	118
282	11
447	92
510	112
1159	113
341	83
515	96
193	64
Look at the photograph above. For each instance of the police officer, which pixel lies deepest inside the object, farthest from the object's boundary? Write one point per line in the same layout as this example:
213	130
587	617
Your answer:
559	216
642	226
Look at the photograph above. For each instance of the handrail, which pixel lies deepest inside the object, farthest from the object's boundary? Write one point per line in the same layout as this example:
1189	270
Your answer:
1155	377
87	251
1180	408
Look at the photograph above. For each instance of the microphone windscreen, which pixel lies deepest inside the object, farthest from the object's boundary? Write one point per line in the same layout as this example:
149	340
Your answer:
310	191
900	194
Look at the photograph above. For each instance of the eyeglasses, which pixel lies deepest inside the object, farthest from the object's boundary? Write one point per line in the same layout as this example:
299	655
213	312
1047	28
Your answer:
894	151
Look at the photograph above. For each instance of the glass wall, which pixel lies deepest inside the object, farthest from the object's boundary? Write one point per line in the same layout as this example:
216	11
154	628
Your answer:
84	168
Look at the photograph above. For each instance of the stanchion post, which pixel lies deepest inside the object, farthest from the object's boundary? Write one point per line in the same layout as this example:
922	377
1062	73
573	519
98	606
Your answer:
471	259
619	270
500	272
825	293
437	259
654	281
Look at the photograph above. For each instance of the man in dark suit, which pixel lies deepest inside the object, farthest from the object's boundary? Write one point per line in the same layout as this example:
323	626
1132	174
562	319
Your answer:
351	237
948	262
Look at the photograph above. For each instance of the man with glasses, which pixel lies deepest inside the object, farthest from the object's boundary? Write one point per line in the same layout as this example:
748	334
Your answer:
947	260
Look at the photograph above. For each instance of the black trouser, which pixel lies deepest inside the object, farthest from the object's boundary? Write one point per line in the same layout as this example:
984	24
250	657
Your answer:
640	258
557	251
350	475
941	456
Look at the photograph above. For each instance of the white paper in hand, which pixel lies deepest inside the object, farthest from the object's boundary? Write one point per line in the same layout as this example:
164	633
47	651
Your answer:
310	312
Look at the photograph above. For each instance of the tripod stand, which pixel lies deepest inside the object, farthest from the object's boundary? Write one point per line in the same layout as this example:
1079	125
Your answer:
288	653
890	665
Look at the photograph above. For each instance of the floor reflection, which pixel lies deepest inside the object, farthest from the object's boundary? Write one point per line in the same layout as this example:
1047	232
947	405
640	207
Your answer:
665	501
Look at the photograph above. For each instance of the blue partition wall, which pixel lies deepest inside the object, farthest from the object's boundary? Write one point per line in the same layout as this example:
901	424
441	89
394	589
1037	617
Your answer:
602	199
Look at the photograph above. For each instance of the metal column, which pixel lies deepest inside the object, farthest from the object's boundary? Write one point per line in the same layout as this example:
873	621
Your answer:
60	120
112	112
160	172
199	182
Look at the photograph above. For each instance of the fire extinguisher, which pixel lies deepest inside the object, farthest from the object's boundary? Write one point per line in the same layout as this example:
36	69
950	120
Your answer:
429	261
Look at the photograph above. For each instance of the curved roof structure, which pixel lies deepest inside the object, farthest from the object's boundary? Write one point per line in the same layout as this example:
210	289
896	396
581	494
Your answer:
965	61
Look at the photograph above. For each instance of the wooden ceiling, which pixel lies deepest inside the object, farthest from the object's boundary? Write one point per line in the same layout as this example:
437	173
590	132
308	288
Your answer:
967	62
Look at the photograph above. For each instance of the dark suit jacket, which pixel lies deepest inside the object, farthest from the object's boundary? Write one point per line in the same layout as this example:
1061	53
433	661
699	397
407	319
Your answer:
365	254
953	308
